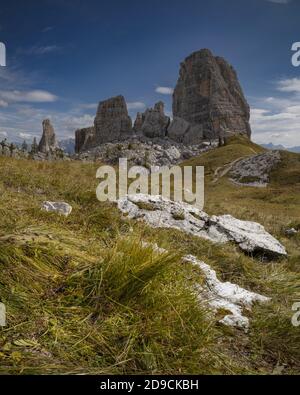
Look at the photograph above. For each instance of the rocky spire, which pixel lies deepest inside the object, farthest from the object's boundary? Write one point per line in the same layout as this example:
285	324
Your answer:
138	123
48	141
153	122
208	94
112	121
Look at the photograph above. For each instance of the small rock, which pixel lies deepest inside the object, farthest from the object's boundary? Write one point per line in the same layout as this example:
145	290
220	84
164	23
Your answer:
173	154
291	232
59	207
143	151
220	295
226	296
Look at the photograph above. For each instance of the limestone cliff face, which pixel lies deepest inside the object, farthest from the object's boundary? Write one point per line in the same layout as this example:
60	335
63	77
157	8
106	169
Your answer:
208	104
208	93
48	141
84	139
153	122
112	121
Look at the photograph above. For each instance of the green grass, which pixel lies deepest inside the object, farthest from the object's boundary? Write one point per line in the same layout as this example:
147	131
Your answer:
83	296
238	147
121	311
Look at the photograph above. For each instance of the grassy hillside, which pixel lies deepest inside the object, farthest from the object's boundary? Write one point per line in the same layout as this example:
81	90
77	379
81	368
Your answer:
83	296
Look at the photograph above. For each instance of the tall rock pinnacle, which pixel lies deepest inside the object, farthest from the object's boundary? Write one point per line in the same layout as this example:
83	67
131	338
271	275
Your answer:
48	141
112	121
208	94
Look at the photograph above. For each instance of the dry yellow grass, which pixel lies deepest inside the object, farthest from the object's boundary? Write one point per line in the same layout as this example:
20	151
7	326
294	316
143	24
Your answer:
83	296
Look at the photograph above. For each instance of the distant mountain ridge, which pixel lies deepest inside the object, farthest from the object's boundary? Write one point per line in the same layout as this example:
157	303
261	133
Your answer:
272	146
68	145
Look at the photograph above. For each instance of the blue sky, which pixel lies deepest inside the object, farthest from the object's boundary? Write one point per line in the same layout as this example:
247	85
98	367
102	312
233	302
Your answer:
64	56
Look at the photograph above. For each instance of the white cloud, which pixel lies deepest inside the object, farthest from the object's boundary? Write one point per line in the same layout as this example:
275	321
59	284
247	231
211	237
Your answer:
277	118
26	136
34	96
3	134
279	125
70	123
21	120
164	90
3	103
10	77
289	85
276	102
136	106
257	113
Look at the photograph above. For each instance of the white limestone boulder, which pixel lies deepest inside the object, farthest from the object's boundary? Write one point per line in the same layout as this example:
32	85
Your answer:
250	236
226	296
159	212
255	171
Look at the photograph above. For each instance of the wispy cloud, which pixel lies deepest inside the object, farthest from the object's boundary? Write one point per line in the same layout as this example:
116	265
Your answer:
25	122
40	50
3	103
70	123
16	78
280	1
280	128
289	85
8	76
26	136
277	120
34	96
164	90
136	106
47	29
